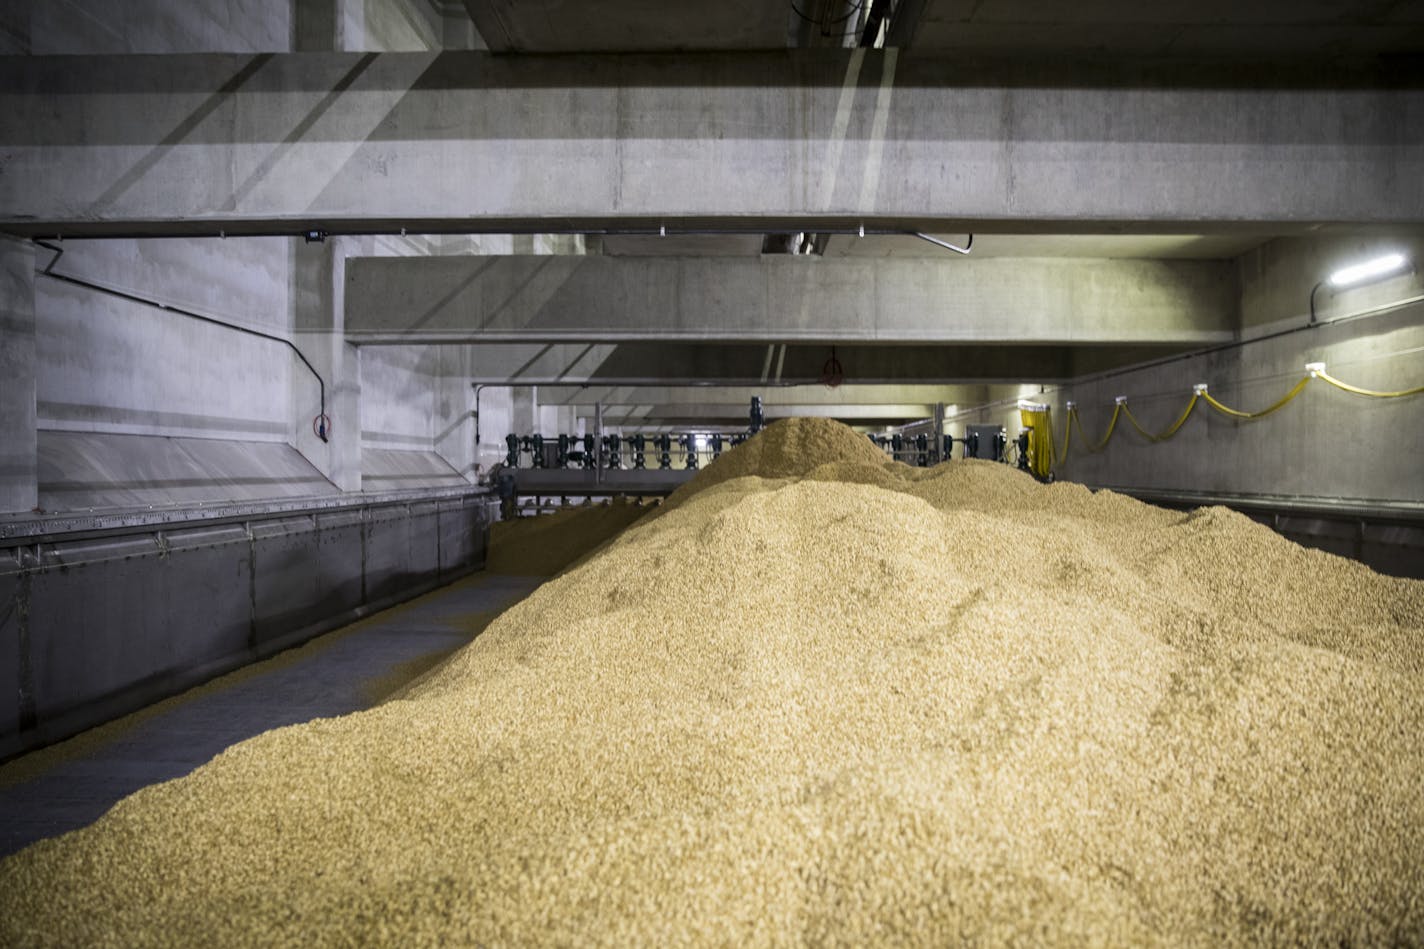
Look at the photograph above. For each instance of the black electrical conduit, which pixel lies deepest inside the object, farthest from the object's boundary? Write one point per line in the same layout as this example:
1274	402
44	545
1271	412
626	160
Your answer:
321	420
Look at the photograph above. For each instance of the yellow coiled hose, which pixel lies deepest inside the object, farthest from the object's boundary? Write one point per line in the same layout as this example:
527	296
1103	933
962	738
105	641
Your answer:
1199	394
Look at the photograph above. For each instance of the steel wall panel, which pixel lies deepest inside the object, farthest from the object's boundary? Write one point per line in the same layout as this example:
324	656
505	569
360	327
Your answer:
119	620
12	645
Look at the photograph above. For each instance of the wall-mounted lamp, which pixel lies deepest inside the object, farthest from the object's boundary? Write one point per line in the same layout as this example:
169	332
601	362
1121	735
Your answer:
1360	273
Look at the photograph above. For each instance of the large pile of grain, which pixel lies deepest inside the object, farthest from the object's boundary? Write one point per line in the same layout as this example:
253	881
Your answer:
868	704
544	545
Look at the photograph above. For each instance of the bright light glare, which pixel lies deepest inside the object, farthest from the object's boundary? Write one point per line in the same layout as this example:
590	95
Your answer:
1359	273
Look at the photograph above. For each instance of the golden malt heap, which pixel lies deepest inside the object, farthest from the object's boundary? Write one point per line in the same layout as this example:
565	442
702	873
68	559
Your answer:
823	698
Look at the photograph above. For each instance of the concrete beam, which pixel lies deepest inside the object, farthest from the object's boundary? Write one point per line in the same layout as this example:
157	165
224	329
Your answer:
784	298
681	413
470	141
740	396
667	364
730	404
556	26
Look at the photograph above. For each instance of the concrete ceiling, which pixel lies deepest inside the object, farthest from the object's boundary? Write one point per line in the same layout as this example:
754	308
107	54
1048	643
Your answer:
994	29
1069	35
1172	29
574	26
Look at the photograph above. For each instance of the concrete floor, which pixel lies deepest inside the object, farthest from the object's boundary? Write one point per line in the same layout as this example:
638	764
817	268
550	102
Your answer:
67	786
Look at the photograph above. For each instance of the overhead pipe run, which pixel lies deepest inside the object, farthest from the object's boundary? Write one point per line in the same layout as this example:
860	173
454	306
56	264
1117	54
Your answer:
315	235
321	424
946	244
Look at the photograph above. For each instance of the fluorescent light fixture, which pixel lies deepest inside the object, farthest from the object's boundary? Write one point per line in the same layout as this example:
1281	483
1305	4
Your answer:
1370	269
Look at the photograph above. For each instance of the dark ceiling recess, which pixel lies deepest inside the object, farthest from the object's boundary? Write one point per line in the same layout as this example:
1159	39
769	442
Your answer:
853	22
799	243
832	373
820	23
873	21
1327	32
903	20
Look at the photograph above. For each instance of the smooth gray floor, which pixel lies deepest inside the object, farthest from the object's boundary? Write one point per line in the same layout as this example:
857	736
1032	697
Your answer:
334	680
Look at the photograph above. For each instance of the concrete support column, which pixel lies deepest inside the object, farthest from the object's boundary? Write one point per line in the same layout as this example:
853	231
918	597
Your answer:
524	412
493	403
318	298
567	418
18	449
313	26
328	25
454	428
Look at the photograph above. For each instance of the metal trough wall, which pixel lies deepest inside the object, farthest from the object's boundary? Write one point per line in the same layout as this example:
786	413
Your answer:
98	620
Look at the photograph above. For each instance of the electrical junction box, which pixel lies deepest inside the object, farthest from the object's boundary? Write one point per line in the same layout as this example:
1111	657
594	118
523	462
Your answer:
986	445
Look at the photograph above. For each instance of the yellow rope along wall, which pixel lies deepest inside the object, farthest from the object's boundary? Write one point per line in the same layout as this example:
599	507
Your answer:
1067	430
1102	443
1278	405
1369	392
1173	428
1199	393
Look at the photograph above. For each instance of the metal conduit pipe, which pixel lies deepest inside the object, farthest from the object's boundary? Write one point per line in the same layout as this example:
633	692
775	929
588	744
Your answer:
660	231
320	421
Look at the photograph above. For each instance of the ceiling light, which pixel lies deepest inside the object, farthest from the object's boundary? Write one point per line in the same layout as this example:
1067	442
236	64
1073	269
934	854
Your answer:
1359	273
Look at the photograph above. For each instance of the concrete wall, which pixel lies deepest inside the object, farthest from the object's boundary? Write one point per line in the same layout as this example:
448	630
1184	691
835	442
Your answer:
496	408
519	410
46	27
109	365
1276	278
398	397
93	27
1326	444
402	25
454	412
106	402
106	364
418	398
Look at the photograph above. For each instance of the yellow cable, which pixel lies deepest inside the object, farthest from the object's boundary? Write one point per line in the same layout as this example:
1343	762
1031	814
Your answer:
1040	440
1181	420
1112	426
1122	409
1046	459
1369	392
1299	387
1135	424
